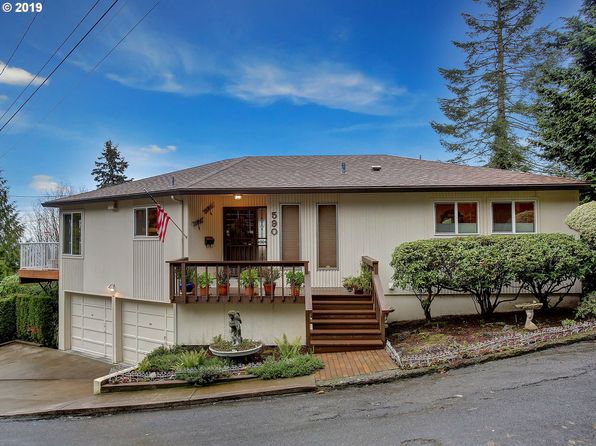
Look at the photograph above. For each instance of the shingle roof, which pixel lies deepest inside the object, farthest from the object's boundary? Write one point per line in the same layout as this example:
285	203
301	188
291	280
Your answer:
279	174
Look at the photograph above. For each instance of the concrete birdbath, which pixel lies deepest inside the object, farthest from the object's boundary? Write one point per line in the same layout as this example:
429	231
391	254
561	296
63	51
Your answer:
238	347
529	309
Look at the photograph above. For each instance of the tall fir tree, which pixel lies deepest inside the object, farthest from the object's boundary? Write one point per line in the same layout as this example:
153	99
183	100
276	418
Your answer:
566	99
11	231
490	114
110	167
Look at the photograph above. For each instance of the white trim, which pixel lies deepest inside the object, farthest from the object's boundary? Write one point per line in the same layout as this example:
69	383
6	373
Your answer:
82	242
333	268
134	223
513	223
280	230
455	218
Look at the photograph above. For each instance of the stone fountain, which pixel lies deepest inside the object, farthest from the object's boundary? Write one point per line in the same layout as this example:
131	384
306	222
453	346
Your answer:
235	324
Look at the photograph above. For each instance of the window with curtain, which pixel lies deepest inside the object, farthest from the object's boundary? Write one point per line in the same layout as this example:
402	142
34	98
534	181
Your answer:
290	232
514	217
327	236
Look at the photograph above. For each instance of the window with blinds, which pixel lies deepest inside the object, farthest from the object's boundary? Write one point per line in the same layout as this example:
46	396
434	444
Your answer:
327	248
290	232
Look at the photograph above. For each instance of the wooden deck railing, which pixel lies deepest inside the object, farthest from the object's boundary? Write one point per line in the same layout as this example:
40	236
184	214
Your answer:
380	305
226	285
308	305
39	255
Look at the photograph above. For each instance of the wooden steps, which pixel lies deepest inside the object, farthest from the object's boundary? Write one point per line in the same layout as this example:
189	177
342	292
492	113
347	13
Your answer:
344	323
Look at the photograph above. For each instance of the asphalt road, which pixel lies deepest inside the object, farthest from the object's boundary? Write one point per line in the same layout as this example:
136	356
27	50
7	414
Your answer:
545	398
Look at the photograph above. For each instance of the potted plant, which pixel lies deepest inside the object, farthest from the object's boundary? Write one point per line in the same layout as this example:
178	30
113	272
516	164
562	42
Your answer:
248	279
204	280
191	278
270	275
222	282
349	283
296	280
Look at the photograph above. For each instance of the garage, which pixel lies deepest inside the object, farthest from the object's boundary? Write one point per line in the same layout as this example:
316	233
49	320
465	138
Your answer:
145	326
92	325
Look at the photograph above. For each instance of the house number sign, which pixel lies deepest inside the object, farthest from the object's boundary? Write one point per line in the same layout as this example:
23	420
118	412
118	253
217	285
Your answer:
274	223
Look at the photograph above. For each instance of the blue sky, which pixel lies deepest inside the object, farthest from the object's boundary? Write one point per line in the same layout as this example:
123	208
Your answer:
199	81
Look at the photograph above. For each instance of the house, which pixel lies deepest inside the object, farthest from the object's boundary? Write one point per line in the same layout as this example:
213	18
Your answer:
123	292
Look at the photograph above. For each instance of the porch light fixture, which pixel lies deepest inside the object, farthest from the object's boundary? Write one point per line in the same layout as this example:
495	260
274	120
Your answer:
112	289
237	197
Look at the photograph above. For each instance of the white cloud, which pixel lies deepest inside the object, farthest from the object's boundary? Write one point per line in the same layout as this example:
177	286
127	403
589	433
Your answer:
17	76
154	148
158	62
44	183
329	85
3	97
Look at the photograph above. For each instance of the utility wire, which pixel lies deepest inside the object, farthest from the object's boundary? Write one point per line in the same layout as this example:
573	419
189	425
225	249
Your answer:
90	71
19	43
58	66
49	59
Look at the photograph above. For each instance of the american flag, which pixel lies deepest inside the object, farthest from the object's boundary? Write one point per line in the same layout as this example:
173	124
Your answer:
162	223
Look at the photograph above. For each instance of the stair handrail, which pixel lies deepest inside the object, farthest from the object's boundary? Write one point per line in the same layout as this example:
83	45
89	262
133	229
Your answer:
380	304
308	304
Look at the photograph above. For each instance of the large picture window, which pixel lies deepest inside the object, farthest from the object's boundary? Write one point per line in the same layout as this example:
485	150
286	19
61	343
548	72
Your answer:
72	233
456	218
327	236
514	217
145	222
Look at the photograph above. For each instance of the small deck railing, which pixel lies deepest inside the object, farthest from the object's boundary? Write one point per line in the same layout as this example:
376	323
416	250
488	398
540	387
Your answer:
222	281
39	255
380	305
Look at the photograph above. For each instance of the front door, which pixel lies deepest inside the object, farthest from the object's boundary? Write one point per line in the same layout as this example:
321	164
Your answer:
245	233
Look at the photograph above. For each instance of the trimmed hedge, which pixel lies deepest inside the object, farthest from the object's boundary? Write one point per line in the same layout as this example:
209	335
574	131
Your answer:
37	319
8	319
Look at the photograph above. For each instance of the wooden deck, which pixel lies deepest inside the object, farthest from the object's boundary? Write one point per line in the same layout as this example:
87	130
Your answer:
345	364
38	275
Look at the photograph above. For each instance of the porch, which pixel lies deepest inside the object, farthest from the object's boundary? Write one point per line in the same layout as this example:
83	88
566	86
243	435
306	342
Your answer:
335	319
39	262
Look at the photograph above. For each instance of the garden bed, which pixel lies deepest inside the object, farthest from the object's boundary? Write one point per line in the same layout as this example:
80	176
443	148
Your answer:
453	339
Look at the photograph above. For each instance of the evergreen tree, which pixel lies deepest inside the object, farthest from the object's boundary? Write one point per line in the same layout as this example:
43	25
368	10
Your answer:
110	167
11	231
490	113
566	98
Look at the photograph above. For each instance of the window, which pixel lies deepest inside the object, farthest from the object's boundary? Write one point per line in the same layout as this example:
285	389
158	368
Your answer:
465	223
71	233
145	222
504	213
290	232
327	248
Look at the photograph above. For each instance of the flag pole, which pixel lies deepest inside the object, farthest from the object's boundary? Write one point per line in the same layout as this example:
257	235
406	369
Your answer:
171	219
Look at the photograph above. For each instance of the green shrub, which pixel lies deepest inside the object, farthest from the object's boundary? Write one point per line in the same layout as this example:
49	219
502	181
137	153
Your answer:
587	307
8	319
162	359
222	345
10	286
583	220
420	266
201	376
288	349
37	319
568	323
287	368
549	264
192	359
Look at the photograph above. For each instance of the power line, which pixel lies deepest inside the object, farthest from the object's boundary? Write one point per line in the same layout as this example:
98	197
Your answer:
59	65
50	111
50	58
19	43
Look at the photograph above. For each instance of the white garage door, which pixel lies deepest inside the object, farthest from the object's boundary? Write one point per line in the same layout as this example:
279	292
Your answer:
91	325
145	326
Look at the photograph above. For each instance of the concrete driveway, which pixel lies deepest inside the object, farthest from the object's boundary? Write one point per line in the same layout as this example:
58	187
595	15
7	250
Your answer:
32	376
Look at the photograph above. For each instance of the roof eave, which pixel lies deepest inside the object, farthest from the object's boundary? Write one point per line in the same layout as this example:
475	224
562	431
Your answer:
335	189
